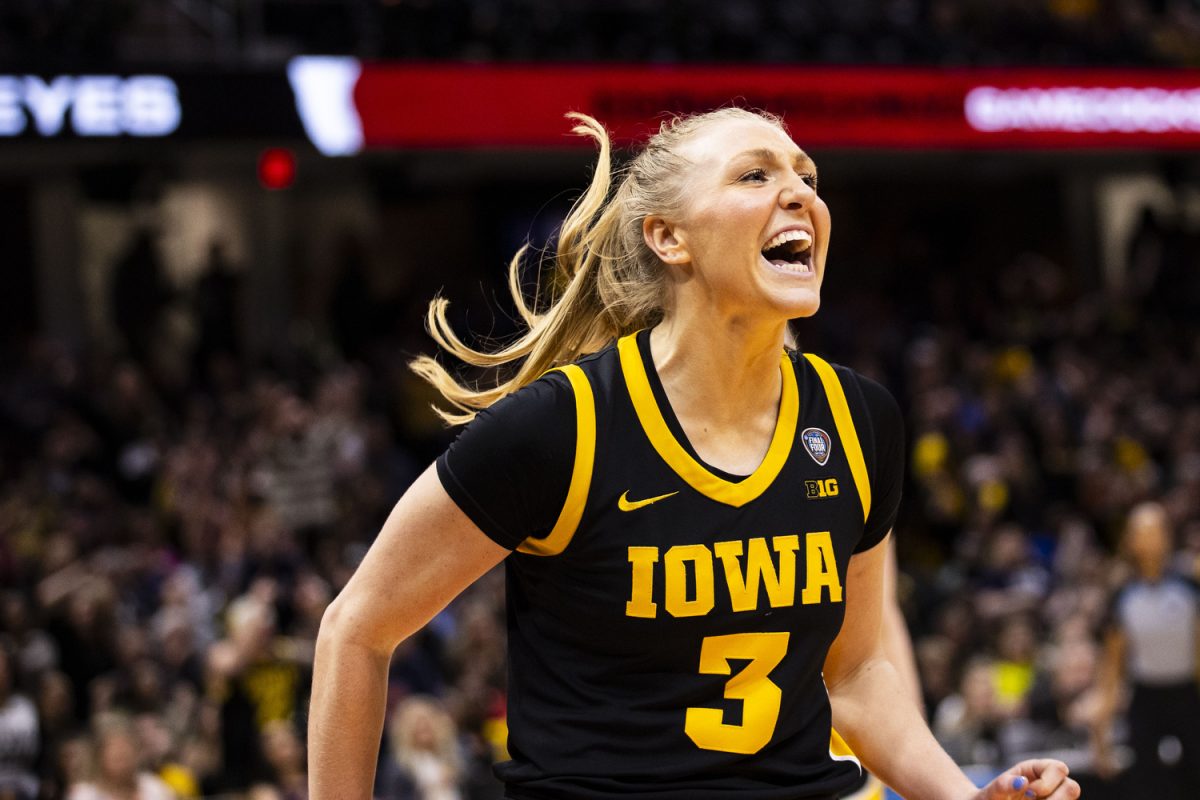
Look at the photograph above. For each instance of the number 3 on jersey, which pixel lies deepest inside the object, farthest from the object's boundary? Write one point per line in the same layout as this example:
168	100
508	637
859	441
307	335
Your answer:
760	697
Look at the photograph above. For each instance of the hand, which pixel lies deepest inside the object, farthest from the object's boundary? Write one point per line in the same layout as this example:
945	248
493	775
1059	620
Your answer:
1036	778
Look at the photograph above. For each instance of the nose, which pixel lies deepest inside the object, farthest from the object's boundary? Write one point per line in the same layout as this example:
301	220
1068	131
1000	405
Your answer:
797	194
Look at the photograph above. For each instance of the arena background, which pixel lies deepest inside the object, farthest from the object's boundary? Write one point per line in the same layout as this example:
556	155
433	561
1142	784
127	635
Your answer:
221	224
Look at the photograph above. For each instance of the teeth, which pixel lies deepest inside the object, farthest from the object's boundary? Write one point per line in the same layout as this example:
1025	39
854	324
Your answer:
790	236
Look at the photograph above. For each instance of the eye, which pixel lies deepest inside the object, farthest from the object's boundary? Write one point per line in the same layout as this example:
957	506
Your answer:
756	175
810	178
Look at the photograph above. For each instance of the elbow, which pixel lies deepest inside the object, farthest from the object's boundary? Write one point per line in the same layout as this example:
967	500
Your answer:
343	626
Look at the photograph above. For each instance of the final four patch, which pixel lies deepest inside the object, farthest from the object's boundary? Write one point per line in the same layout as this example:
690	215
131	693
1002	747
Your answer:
817	443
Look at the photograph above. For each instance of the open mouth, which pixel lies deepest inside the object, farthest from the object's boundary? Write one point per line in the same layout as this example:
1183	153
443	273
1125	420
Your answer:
790	250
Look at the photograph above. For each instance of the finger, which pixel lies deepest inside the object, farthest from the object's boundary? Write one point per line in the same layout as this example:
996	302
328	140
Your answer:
1009	786
1050	775
1067	790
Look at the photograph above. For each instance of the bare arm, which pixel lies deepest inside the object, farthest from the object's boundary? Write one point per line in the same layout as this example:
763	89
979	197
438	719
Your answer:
1109	679
897	643
873	711
427	552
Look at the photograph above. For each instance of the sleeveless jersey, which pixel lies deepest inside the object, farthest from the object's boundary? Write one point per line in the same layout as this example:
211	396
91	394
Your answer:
666	637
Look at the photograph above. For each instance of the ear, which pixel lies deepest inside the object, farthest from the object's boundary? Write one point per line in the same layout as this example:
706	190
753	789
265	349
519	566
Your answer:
665	240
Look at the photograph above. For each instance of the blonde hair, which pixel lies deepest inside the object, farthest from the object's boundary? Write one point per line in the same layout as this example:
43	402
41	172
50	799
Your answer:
409	714
608	281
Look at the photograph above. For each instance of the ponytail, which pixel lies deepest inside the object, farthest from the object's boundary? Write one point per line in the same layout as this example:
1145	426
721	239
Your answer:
608	281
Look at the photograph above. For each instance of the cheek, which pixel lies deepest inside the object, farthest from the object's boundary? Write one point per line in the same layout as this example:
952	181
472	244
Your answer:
821	216
824	225
718	230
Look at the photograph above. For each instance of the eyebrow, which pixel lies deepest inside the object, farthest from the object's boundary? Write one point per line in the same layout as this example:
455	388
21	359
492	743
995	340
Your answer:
767	154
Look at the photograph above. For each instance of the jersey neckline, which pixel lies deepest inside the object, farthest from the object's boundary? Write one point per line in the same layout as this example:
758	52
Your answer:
637	367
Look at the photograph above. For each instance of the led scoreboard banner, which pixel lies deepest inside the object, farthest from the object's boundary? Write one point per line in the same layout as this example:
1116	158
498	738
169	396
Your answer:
345	106
147	106
380	105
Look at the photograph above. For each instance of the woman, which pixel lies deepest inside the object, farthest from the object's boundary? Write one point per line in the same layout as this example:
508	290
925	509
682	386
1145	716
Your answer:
1151	642
712	549
425	762
117	775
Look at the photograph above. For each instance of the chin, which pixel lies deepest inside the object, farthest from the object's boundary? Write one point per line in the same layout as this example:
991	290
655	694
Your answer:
805	305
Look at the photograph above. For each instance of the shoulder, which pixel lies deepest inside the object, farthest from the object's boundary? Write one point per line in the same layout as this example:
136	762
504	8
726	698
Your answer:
553	394
877	403
544	395
524	420
870	402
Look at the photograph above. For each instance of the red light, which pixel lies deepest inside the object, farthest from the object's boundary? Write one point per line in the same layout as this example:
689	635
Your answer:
277	168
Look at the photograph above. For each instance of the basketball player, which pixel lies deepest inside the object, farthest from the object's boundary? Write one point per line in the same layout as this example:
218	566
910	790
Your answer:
692	517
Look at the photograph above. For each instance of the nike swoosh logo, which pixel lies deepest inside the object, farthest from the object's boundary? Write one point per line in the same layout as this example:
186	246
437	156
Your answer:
626	504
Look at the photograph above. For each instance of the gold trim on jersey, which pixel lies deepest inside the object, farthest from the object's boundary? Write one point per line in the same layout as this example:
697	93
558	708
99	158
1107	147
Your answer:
845	429
692	471
873	790
839	750
581	474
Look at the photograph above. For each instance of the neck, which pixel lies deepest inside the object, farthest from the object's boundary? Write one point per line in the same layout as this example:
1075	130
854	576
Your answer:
126	786
1151	571
723	373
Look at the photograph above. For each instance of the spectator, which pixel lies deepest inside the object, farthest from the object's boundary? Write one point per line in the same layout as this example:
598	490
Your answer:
19	740
284	753
139	296
424	761
968	723
117	775
255	680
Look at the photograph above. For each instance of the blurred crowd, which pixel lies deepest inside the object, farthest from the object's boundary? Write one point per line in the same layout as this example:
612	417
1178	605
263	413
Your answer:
169	538
951	32
168	542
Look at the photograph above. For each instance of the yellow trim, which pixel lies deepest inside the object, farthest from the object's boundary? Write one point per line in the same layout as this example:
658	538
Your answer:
581	474
838	746
692	471
872	791
845	429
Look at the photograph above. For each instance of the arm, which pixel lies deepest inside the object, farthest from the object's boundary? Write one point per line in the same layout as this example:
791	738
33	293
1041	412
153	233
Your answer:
427	552
897	644
878	719
1109	680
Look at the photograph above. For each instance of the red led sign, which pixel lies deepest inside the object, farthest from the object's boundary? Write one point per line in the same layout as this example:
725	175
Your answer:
523	106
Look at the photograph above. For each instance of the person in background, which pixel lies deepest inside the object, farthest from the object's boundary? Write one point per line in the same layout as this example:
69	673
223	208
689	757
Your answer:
18	735
284	753
424	762
117	775
1151	643
968	722
255	681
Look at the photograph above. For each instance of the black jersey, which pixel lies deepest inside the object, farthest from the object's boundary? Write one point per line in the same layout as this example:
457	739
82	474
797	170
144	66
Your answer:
668	629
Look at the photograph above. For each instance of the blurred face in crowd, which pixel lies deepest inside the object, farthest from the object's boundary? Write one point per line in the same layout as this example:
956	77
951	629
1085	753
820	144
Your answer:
1075	669
753	234
978	690
118	756
1017	640
282	747
424	731
1148	539
54	696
